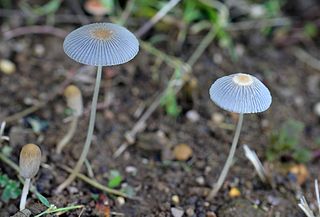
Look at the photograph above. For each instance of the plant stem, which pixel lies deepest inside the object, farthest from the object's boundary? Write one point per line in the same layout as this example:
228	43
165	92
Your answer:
24	194
63	209
97	185
228	163
87	144
66	139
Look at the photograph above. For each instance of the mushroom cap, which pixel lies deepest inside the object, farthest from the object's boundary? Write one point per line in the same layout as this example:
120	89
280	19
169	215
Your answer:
74	99
240	93
101	44
29	161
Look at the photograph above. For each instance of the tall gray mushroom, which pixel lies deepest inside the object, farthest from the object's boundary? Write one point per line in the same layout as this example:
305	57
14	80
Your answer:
98	44
240	93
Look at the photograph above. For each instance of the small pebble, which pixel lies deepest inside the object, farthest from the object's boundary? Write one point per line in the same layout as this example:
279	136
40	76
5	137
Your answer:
190	211
39	50
177	212
239	49
145	161
182	152
73	190
301	173
206	204
207	170
275	201
193	116
217	118
234	192
121	201
175	199
217	58
132	170
7	67
257	10
211	214
316	109
200	180
299	101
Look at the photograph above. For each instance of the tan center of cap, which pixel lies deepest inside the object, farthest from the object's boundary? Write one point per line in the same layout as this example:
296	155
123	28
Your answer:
242	79
102	34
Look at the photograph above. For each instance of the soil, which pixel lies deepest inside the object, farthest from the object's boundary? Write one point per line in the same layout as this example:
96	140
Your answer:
158	177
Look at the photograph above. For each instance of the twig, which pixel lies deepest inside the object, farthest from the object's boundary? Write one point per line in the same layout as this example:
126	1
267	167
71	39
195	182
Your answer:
258	24
126	13
69	135
86	179
58	18
172	61
19	115
252	156
305	57
9	162
96	184
16	168
34	30
156	18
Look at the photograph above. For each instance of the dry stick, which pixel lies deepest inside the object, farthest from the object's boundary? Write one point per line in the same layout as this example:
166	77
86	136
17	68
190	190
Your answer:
184	68
258	24
156	18
34	30
66	139
96	184
86	179
126	13
16	168
305	57
58	18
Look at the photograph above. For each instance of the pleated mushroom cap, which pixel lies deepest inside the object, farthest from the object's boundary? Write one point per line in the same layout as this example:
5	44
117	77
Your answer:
101	44
240	93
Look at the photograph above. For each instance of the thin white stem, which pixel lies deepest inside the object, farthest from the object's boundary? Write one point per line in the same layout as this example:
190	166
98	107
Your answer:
228	163
87	144
317	194
24	194
66	139
163	11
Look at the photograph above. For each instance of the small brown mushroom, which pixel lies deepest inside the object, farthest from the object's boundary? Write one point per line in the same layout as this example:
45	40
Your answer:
74	101
29	163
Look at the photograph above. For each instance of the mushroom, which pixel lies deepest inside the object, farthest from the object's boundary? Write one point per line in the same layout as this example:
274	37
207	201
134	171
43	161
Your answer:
98	44
74	101
29	163
240	93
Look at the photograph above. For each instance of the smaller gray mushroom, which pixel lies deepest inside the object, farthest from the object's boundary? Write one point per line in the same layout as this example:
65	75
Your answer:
240	93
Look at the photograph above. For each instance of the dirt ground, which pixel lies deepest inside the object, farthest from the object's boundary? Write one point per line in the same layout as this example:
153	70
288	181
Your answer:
147	166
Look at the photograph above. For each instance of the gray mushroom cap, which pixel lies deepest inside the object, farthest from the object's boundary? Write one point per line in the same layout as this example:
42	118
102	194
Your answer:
240	93
101	44
29	161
